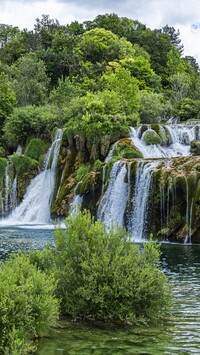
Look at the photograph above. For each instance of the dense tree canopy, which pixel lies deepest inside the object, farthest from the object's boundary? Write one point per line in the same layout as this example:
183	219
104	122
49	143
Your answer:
108	66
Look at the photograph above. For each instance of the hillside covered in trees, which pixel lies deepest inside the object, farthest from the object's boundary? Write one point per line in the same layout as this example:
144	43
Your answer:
110	72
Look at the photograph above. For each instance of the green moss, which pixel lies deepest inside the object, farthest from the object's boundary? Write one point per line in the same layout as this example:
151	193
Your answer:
151	137
143	129
2	166
23	163
130	153
82	171
98	165
36	148
195	147
126	149
155	127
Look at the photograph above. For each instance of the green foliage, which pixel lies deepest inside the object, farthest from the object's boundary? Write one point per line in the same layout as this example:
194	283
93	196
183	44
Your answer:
31	121
100	45
82	171
64	92
29	80
23	163
2	166
35	149
121	82
188	109
125	149
103	275
152	107
28	307
7	99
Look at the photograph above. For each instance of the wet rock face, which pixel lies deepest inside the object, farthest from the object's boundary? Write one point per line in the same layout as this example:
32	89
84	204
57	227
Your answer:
175	200
195	147
173	211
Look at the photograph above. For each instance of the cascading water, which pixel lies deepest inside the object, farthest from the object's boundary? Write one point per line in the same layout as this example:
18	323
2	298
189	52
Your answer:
113	203
136	224
113	206
35	207
179	138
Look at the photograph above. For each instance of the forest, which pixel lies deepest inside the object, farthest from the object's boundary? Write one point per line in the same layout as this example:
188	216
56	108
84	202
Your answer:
111	72
84	117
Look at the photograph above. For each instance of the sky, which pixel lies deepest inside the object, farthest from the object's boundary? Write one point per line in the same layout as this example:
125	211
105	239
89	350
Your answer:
181	14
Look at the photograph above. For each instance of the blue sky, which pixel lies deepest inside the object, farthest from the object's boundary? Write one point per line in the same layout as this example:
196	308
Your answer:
181	14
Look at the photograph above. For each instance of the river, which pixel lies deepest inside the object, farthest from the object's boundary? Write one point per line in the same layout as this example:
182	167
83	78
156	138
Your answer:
178	335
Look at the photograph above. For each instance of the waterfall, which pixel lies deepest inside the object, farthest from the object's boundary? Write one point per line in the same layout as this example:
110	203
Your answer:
113	203
35	207
180	136
13	194
7	189
76	202
140	201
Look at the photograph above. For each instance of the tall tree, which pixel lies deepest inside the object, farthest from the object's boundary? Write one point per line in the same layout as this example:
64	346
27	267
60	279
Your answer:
7	99
174	37
30	81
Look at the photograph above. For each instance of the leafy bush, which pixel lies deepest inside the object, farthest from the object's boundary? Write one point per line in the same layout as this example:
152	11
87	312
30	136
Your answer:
103	275
36	148
28	307
23	163
31	121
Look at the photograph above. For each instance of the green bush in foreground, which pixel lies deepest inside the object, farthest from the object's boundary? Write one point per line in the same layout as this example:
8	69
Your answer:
28	306
104	276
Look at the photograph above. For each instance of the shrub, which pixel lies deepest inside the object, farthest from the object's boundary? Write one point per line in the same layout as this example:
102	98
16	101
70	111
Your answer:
103	275
28	307
36	148
30	121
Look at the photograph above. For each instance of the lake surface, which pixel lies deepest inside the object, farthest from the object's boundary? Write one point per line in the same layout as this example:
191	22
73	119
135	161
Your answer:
179	335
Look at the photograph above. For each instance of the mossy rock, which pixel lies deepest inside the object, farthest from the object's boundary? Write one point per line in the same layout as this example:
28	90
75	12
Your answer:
23	163
155	127
3	162
82	171
36	148
151	137
143	129
126	149
195	147
131	153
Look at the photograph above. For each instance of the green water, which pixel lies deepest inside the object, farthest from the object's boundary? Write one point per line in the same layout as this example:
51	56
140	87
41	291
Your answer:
178	335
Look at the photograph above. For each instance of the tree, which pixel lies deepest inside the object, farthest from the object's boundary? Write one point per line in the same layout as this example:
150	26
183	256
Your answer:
29	80
152	107
7	99
158	45
121	82
174	37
